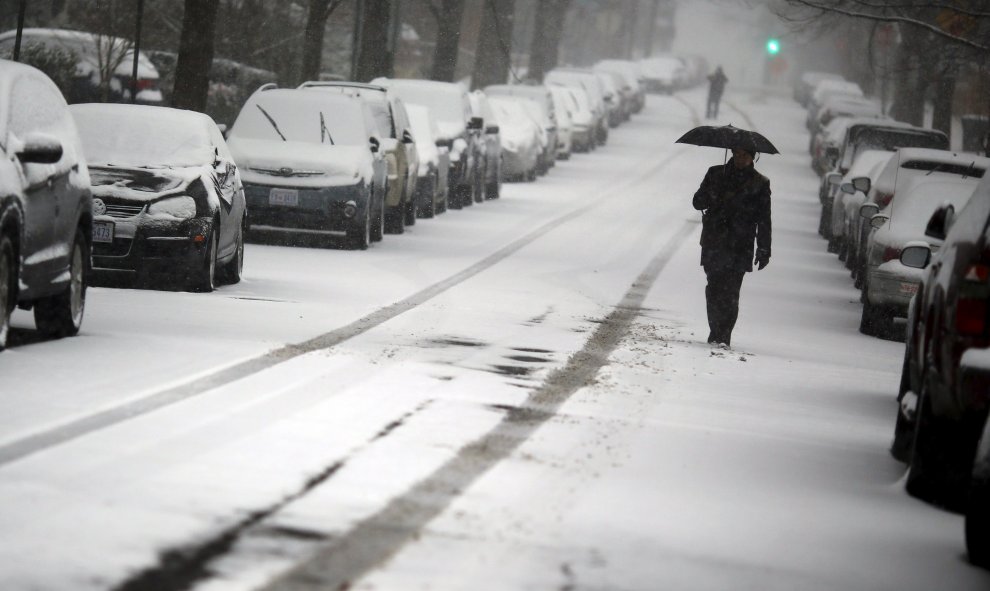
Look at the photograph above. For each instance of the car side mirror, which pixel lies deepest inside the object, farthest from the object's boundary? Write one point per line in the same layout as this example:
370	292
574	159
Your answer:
491	129
878	221
476	123
444	143
40	148
374	144
847	188
862	183
916	256
940	222
868	210
833	178
407	137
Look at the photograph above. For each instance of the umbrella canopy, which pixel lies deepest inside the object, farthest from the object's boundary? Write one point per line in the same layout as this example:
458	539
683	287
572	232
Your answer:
728	137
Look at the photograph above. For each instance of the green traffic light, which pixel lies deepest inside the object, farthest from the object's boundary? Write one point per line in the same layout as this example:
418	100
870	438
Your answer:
773	46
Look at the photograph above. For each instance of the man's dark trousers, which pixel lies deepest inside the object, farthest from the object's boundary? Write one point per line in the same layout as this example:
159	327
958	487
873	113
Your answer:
722	295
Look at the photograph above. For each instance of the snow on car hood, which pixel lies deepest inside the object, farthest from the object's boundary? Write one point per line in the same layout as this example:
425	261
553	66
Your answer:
300	164
144	185
450	130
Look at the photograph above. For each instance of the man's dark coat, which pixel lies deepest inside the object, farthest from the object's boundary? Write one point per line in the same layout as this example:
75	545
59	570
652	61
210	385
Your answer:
736	206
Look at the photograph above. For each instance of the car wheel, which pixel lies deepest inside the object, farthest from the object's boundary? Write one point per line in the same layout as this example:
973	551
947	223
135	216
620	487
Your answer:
359	232
978	517
479	191
377	220
61	315
234	268
8	280
876	321
395	220
467	195
205	278
410	210
939	459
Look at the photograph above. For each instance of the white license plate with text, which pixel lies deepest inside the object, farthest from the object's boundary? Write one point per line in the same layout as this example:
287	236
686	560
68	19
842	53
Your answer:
102	231
285	197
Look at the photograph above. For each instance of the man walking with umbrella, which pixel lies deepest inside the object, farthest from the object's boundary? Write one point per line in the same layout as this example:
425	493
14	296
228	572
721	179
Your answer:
735	204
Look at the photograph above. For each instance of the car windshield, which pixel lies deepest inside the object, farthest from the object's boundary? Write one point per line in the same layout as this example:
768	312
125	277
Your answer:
337	123
130	137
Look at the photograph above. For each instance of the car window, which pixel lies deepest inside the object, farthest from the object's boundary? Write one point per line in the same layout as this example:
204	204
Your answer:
179	139
299	121
36	105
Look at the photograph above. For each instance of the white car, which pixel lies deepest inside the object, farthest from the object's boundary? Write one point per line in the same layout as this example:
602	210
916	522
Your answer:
565	106
434	160
583	119
889	284
865	162
520	139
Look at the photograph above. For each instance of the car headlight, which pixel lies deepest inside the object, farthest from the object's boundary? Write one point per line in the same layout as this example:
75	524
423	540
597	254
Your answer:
183	207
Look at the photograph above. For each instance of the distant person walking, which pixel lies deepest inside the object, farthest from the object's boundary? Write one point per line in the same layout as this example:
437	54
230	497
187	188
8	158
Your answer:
735	201
716	86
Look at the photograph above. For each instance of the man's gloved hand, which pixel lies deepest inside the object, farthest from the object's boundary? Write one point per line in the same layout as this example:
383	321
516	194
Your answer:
762	259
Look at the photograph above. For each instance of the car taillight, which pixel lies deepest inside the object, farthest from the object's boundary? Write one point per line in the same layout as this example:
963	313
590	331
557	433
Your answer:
883	199
147	84
971	306
891	253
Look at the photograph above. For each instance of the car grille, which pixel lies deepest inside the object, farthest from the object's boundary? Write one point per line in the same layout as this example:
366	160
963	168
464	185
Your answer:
123	211
287	172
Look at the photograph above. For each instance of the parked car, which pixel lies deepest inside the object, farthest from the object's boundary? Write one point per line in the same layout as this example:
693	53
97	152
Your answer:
167	197
45	206
909	165
806	82
583	116
434	160
864	164
978	499
662	74
547	116
856	191
520	139
564	106
942	401
889	285
842	106
397	144
93	80
491	165
826	90
588	82
548	150
871	134
632	76
452	108
617	110
311	162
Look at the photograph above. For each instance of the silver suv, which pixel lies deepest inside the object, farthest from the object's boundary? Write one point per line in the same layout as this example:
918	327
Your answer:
45	205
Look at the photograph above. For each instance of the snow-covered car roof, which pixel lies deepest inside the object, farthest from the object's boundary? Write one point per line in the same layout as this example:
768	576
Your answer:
85	46
154	136
865	162
447	100
909	156
832	86
914	205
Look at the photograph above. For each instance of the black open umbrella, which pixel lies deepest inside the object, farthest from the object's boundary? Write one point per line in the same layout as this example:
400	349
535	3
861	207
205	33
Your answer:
728	137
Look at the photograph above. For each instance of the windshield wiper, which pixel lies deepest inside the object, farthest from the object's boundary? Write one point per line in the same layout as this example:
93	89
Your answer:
937	167
272	121
324	130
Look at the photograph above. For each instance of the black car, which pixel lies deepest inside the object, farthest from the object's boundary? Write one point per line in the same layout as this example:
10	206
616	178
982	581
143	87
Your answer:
978	503
167	198
45	206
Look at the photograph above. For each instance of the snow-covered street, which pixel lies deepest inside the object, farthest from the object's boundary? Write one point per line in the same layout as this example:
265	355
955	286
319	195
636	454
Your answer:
517	395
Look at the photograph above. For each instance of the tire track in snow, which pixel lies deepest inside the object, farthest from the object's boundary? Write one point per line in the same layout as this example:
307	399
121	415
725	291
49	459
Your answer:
371	542
31	444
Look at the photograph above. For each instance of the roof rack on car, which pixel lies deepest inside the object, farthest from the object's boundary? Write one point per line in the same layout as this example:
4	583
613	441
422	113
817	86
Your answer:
267	86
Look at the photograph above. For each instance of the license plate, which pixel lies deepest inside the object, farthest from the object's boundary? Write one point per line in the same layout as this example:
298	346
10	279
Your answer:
286	197
102	231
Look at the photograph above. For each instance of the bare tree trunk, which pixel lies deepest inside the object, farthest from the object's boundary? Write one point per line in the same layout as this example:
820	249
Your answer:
449	19
316	24
192	71
545	48
493	56
373	46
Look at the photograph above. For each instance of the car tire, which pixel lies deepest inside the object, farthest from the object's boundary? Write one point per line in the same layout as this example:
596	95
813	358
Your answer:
377	220
876	321
479	191
395	219
359	232
939	461
467	195
410	211
234	268
204	279
61	315
978	519
8	284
